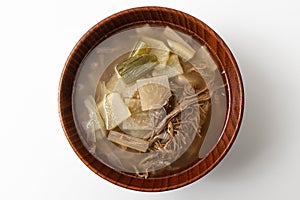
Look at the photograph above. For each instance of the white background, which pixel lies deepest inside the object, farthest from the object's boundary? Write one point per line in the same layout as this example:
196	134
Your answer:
38	163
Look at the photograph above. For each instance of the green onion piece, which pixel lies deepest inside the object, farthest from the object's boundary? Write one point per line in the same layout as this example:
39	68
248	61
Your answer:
135	67
140	48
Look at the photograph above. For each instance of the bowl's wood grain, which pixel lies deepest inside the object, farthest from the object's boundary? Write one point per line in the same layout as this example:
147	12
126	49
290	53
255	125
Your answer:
179	21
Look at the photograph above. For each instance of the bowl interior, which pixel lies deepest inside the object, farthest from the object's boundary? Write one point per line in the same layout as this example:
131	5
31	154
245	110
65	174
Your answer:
111	40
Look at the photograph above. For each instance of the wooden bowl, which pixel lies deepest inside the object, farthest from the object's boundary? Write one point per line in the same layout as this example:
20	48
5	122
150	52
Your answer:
178	21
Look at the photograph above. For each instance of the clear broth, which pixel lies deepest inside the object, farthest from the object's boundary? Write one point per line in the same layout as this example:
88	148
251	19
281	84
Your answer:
100	64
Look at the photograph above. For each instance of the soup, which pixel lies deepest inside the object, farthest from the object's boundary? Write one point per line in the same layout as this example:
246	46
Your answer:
149	101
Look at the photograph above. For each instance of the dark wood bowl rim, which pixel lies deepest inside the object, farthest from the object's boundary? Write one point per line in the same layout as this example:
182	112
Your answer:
153	14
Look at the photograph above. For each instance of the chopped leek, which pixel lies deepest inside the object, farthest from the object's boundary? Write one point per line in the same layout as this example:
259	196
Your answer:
158	48
172	35
172	69
128	141
135	67
181	50
140	48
